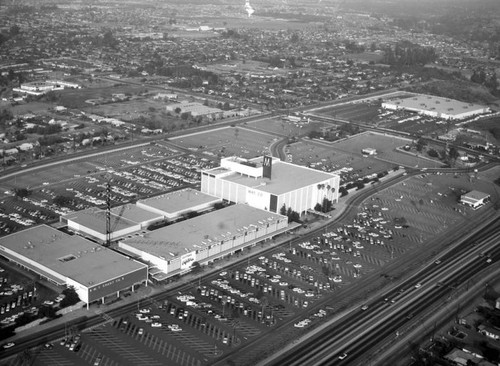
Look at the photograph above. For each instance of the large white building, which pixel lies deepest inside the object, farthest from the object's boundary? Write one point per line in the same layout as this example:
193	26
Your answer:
436	107
196	109
173	249
268	183
93	271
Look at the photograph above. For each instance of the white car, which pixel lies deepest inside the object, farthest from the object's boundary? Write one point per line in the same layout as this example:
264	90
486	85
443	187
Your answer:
145	311
9	345
342	356
174	328
156	325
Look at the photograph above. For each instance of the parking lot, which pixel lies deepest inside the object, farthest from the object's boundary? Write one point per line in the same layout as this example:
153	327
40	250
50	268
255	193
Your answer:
331	158
371	113
134	174
243	302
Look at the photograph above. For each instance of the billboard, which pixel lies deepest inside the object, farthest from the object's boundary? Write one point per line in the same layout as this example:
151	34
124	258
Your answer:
187	260
267	165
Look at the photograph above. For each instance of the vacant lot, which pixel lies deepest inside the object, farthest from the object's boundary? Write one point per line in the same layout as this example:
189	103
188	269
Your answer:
386	146
228	141
281	126
355	112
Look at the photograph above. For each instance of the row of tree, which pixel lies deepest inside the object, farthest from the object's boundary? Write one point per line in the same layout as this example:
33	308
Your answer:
489	81
406	53
293	216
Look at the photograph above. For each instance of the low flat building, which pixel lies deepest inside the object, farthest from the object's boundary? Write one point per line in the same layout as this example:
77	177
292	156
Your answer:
369	151
436	107
125	220
172	250
196	109
174	204
93	271
475	199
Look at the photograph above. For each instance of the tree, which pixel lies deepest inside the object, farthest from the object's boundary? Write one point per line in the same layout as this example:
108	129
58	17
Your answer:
62	200
70	297
432	153
283	210
453	153
22	192
196	267
327	205
47	312
420	144
109	40
14	30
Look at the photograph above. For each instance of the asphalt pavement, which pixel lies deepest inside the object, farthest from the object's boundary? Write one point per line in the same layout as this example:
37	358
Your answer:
145	291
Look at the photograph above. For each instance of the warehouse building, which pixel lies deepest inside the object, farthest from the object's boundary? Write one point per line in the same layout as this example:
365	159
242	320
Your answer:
436	107
175	204
93	271
130	219
269	184
124	220
196	109
173	249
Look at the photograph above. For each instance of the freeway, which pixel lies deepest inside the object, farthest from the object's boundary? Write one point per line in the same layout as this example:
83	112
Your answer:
362	330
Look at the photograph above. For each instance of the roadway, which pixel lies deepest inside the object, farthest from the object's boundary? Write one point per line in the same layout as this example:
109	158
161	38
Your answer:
362	331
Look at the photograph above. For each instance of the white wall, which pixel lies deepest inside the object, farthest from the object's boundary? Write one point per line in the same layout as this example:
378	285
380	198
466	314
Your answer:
257	198
82	291
235	166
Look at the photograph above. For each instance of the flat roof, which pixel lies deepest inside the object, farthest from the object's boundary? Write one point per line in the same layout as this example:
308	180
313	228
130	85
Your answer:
70	255
285	178
475	195
181	200
189	235
432	103
122	217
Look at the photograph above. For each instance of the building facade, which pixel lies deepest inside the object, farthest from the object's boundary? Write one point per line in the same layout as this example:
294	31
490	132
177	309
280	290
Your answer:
269	184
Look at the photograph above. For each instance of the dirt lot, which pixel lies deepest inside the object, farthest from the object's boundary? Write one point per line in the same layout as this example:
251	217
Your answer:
228	141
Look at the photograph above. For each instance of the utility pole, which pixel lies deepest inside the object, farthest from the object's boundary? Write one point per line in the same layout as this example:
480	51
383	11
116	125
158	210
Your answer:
108	211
